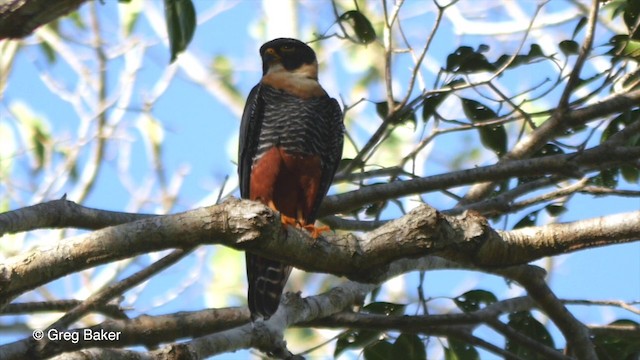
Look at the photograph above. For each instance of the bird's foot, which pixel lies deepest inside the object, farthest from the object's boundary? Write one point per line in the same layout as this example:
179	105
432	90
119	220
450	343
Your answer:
316	230
286	220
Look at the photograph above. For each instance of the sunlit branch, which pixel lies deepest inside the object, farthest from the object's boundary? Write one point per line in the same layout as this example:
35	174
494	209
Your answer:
242	224
570	165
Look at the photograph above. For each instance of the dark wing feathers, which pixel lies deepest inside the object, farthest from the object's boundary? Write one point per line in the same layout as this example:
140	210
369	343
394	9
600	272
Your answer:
323	136
332	112
248	141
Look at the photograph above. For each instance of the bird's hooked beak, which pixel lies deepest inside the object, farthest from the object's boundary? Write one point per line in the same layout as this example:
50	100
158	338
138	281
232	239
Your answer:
270	56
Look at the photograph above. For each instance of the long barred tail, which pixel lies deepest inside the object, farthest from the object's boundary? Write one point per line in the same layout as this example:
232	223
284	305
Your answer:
266	279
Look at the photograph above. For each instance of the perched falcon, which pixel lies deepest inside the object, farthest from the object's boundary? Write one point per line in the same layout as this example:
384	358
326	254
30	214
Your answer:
291	139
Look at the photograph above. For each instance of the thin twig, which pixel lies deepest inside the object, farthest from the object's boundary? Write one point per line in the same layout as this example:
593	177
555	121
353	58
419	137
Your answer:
103	296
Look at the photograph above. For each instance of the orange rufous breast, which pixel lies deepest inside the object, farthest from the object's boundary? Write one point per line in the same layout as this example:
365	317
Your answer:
288	183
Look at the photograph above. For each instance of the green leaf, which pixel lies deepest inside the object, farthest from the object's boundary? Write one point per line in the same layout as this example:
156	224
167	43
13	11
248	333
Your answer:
181	24
607	178
581	23
613	127
615	7
344	162
465	60
409	347
493	137
431	103
48	51
76	19
460	351
382	109
631	81
619	123
39	140
152	133
374	209
473	299
569	47
355	339
622	47
361	25
223	67
548	150
8	149
555	210
630	16
384	308
476	111
528	220
535	53
382	350
455	83
35	132
630	174
463	351
527	325
583	82
399	117
129	12
610	347
572	131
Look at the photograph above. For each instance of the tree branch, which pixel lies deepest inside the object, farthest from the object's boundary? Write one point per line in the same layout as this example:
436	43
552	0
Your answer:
18	18
112	310
576	333
559	121
62	214
465	238
46	348
144	330
572	165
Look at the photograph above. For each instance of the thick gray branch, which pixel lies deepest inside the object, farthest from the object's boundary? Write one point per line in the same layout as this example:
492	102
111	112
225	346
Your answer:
62	214
18	18
466	239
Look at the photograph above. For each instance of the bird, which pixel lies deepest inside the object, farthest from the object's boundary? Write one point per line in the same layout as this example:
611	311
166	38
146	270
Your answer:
290	145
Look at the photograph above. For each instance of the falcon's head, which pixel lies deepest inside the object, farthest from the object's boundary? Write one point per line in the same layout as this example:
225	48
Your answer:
289	55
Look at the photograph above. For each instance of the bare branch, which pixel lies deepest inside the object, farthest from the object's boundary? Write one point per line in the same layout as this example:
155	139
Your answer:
576	333
111	310
571	165
62	214
617	303
18	18
466	238
144	330
585	50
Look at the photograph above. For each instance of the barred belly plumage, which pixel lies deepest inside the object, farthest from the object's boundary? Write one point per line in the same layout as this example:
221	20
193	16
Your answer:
299	126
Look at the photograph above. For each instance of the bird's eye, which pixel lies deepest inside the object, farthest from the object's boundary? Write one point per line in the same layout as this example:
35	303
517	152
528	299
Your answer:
287	48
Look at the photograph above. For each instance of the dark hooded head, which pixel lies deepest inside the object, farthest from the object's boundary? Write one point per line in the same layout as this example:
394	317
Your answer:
290	53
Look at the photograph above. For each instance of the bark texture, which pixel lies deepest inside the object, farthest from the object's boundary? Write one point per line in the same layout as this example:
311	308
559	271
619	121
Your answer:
18	18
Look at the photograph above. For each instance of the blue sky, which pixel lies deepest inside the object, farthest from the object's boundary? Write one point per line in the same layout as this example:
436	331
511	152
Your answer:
199	129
